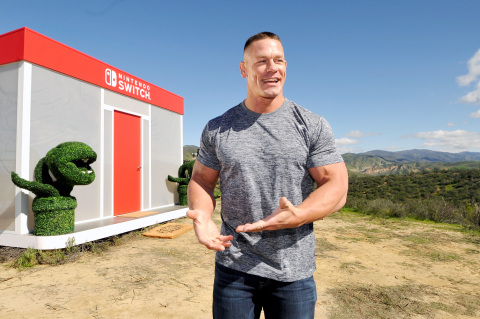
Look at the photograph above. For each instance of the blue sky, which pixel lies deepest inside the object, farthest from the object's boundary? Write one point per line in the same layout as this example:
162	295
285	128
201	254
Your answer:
386	74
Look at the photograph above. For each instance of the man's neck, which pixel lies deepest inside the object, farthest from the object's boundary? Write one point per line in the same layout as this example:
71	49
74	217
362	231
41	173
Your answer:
264	105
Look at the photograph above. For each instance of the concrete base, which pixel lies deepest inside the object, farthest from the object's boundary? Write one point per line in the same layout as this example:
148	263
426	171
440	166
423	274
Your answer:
90	231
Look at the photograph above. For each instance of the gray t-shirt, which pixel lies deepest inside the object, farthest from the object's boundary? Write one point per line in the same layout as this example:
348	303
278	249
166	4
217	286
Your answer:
260	158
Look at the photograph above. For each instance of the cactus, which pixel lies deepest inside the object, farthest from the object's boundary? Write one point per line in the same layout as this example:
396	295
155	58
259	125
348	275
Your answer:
184	175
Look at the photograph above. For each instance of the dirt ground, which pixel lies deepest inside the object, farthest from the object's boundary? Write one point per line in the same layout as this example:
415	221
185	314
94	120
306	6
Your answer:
172	278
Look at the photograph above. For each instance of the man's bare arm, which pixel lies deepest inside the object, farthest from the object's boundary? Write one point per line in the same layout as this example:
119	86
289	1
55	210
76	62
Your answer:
201	202
329	197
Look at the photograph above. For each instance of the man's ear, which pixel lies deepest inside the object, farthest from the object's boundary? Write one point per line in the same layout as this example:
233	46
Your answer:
243	69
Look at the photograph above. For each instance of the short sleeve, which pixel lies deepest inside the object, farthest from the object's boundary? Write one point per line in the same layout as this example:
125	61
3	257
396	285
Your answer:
207	154
322	149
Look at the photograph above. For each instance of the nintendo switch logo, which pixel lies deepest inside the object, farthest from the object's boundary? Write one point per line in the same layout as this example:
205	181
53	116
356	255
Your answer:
111	77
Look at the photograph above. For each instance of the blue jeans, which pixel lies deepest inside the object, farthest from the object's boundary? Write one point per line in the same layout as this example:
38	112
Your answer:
237	295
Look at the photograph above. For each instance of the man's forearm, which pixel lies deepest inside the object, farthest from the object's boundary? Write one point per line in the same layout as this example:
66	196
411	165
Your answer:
329	197
200	197
322	202
202	204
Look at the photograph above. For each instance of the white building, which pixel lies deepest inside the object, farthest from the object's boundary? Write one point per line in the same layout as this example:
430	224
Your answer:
51	93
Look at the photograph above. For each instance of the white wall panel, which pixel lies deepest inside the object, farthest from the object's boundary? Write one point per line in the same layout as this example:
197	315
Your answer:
166	155
8	129
66	109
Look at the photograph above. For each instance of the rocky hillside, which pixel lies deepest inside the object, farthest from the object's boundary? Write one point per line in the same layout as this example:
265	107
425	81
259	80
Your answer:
394	163
404	162
419	155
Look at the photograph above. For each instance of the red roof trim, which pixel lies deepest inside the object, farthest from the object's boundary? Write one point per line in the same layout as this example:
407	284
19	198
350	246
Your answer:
26	44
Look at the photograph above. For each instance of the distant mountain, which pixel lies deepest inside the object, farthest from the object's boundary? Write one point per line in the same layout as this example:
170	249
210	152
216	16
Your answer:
418	155
403	162
385	163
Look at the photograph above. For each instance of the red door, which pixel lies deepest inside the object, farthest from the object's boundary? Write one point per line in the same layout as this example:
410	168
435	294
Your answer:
127	163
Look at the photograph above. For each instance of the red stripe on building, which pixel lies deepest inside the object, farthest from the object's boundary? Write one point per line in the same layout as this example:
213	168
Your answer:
26	44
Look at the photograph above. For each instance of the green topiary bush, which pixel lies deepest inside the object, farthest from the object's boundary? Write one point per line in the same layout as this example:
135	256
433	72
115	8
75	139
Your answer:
56	174
184	175
54	215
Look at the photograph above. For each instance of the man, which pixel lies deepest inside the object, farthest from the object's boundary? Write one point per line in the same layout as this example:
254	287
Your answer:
268	152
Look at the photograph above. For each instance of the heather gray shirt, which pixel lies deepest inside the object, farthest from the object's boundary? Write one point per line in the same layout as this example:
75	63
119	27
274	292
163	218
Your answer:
260	158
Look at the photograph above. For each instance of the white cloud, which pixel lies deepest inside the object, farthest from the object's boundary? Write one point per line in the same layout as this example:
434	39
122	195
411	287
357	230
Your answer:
345	141
473	70
358	134
475	115
450	141
450	124
469	78
473	96
344	144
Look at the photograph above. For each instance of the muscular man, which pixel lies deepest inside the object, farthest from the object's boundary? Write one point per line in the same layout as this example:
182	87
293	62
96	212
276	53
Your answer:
268	153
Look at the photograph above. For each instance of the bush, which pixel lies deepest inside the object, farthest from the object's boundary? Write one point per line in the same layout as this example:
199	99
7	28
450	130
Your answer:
472	215
27	259
434	209
184	175
54	215
53	207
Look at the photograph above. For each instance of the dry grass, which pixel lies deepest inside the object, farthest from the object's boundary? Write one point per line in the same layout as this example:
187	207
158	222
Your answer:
407	301
425	245
367	268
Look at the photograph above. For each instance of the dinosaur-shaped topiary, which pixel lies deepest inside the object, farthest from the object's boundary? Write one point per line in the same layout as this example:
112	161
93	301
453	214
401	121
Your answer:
63	167
184	175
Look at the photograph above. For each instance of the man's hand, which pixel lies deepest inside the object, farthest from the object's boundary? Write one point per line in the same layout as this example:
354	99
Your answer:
207	232
202	204
329	197
285	216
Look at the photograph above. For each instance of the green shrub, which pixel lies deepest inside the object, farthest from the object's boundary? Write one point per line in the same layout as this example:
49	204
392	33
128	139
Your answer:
53	207
27	259
433	209
53	215
184	175
446	196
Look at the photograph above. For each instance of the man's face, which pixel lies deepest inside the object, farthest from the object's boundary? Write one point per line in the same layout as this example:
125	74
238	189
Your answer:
265	68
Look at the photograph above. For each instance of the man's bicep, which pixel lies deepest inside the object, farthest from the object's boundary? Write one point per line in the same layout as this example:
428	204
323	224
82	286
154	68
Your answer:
333	172
204	175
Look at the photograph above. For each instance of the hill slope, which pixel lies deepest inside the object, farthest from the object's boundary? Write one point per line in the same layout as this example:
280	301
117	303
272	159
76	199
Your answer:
419	155
188	151
404	162
399	163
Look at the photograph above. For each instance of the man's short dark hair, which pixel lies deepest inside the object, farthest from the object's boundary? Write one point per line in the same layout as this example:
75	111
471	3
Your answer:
261	36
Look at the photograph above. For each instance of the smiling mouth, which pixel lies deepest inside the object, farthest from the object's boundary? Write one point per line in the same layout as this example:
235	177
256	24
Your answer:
271	80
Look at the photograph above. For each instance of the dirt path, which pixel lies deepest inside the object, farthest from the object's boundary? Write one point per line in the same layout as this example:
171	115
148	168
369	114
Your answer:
435	271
